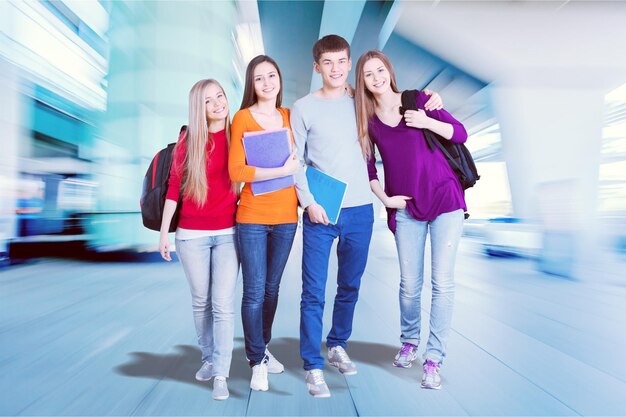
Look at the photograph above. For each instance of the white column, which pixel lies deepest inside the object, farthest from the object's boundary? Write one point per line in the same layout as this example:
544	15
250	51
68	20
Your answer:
551	140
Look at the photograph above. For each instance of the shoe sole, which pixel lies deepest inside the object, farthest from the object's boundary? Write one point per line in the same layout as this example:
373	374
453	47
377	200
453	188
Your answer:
221	398
276	372
430	387
347	373
203	380
317	395
399	365
259	388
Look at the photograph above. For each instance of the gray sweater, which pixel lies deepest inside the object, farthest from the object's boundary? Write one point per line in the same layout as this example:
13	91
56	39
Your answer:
326	137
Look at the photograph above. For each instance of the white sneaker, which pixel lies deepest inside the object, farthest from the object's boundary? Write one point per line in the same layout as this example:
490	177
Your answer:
273	366
338	358
259	377
316	384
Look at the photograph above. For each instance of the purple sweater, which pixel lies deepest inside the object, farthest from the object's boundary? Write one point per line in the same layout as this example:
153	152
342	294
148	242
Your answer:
412	169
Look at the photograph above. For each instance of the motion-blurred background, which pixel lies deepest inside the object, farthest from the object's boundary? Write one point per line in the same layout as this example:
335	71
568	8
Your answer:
90	90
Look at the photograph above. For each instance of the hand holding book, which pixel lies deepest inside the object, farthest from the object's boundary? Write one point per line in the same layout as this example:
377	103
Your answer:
317	214
270	149
329	193
292	164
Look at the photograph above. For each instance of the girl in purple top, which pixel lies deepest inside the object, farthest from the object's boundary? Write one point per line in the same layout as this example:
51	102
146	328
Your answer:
422	195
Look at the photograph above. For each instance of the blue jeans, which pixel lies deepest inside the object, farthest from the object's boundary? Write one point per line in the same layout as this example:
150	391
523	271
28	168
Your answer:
211	267
445	234
264	250
354	230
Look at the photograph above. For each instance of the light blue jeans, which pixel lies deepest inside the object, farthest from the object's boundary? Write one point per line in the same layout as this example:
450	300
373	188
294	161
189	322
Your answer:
445	233
211	267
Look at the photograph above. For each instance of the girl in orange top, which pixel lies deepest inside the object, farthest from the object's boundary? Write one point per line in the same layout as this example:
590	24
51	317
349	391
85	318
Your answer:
266	223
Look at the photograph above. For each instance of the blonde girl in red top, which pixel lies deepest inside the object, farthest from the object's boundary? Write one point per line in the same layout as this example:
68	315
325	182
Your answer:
205	237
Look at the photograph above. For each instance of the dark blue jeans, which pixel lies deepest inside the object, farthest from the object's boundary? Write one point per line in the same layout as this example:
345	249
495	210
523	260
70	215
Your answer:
264	250
354	230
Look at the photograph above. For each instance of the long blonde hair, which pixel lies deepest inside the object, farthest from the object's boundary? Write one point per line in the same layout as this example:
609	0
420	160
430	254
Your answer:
365	101
194	183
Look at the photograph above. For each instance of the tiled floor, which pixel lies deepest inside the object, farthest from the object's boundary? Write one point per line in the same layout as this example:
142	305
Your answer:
81	338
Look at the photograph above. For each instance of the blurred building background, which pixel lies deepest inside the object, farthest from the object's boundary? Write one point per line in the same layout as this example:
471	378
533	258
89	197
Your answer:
91	90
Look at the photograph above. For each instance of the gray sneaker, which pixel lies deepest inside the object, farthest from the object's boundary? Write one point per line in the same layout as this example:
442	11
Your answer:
406	356
220	389
273	366
205	372
431	378
338	358
316	384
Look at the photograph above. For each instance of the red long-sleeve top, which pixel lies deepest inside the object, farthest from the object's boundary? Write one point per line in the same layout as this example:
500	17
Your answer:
219	210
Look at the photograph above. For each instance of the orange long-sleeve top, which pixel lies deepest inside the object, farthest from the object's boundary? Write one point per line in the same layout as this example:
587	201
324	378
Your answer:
277	207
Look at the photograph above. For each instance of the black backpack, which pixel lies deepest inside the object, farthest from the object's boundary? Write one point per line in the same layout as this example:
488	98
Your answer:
457	154
155	184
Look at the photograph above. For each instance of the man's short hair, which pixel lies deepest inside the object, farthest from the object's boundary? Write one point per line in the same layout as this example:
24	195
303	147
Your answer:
330	43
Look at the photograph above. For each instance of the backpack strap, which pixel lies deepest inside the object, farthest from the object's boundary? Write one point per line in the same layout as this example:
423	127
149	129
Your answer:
432	138
409	99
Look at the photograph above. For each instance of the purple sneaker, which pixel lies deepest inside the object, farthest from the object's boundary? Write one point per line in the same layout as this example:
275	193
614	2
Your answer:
406	356
431	378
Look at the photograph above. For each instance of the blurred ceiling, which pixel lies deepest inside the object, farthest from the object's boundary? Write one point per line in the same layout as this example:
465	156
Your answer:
457	47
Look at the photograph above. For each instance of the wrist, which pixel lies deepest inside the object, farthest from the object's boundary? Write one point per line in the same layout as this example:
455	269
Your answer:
428	123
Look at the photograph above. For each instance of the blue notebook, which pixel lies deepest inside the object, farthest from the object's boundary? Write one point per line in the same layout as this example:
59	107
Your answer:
268	149
328	192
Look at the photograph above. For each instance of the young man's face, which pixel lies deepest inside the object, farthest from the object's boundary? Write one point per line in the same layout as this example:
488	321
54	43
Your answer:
334	68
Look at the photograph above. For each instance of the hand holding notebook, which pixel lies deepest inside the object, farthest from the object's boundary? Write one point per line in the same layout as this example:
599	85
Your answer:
328	192
268	149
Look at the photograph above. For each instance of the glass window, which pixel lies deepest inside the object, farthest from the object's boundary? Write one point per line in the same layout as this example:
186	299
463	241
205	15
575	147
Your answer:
612	175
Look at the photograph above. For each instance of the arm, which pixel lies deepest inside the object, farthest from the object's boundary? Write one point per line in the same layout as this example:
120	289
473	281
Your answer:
438	121
172	197
164	242
316	213
289	168
239	171
397	201
434	100
420	120
300	136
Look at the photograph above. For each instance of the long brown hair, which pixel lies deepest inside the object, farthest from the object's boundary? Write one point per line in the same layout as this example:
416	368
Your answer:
194	184
249	94
364	99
